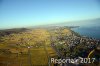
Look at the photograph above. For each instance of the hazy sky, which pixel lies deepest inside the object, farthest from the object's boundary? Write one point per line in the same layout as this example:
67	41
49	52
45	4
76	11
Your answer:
23	13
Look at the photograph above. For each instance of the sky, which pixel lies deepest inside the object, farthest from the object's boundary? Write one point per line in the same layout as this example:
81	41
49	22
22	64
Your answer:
24	13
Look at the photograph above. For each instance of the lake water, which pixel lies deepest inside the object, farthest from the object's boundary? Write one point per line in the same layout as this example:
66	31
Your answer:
88	31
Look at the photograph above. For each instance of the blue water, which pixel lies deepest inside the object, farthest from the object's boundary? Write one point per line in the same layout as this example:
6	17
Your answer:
90	28
88	31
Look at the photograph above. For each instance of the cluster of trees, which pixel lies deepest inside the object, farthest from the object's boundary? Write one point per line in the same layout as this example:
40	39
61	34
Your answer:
69	46
10	31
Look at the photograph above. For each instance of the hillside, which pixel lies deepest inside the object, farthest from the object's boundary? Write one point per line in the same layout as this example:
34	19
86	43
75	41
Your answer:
10	31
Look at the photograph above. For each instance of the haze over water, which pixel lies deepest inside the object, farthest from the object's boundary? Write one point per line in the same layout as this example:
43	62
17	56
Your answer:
92	29
25	13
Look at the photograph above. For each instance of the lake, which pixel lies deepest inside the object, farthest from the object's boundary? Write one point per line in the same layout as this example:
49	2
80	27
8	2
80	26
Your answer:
88	31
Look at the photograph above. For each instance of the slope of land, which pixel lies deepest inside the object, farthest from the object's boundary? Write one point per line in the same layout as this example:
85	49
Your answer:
36	46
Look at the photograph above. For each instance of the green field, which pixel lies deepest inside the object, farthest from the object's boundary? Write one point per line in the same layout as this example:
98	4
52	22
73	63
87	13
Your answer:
37	57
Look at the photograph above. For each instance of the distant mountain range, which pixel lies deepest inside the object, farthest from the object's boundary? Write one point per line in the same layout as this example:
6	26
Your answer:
81	23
